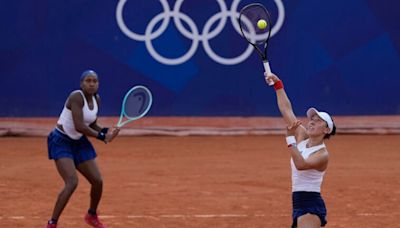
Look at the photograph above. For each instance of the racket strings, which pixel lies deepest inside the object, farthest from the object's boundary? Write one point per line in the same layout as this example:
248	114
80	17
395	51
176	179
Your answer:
137	103
248	21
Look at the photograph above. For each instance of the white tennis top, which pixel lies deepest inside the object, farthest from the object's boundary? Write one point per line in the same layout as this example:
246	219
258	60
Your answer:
306	180
89	116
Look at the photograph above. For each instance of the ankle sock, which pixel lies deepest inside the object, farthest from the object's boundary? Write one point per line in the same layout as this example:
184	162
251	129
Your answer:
92	212
52	221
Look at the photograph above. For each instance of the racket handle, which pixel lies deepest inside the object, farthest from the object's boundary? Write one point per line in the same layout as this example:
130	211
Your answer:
267	69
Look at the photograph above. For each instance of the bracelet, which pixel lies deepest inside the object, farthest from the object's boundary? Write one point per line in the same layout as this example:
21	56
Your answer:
101	136
278	85
291	141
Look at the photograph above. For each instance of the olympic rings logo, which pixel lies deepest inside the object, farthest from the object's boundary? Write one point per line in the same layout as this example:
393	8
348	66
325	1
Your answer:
193	34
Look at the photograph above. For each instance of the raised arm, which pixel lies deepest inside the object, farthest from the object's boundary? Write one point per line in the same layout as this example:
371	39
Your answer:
285	107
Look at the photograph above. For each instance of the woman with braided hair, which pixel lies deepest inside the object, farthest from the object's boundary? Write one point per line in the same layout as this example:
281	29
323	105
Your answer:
69	147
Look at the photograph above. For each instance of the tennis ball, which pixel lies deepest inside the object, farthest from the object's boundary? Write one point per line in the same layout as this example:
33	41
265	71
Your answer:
261	24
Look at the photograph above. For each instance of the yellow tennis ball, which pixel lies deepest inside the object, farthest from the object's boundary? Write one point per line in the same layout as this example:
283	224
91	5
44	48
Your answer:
261	24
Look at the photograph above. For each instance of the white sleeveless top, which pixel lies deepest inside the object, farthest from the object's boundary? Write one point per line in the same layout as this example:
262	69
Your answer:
306	180
89	116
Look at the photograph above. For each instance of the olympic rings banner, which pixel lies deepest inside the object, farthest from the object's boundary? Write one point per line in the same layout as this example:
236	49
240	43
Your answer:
204	37
339	56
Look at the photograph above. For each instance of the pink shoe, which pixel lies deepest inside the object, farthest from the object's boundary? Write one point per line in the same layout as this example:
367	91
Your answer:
93	221
51	226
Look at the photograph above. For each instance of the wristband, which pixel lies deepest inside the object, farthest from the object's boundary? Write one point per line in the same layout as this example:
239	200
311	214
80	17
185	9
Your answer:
290	140
278	85
294	145
101	136
104	130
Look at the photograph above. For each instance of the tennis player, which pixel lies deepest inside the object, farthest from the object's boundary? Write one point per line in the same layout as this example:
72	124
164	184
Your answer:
71	150
309	159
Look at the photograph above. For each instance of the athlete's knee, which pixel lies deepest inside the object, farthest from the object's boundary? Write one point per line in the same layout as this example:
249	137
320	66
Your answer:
71	183
308	221
97	181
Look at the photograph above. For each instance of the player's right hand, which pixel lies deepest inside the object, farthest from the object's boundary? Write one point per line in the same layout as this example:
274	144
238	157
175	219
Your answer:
112	134
271	77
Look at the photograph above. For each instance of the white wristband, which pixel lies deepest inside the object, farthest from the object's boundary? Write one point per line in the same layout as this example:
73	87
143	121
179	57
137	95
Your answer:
290	140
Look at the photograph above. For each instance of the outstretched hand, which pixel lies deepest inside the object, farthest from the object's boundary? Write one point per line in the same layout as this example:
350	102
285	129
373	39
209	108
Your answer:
271	77
291	130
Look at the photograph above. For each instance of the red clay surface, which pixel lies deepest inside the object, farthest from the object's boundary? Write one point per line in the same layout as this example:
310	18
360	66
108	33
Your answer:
197	181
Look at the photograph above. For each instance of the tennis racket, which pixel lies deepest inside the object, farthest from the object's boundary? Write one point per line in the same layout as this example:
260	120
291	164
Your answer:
137	102
249	20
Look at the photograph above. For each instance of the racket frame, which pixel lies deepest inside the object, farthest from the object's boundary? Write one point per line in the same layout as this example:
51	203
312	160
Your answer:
123	113
262	54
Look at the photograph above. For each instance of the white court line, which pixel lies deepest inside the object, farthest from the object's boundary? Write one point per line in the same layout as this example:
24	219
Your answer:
207	216
173	216
178	216
221	216
17	217
107	216
377	214
201	216
141	216
156	216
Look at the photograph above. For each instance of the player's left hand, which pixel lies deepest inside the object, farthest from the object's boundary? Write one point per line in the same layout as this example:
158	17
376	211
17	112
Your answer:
291	130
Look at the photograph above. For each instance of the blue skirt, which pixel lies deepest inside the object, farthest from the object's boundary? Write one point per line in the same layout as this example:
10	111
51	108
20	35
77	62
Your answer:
308	202
61	146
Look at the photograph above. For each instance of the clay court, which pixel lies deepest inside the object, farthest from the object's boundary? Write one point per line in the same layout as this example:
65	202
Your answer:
210	88
203	181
